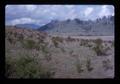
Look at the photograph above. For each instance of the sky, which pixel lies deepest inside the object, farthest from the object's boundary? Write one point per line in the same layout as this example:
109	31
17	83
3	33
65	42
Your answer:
42	14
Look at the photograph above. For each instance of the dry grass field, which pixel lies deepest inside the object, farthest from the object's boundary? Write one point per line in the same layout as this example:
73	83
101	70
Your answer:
34	54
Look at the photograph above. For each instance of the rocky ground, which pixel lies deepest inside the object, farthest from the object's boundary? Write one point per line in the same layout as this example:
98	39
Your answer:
33	54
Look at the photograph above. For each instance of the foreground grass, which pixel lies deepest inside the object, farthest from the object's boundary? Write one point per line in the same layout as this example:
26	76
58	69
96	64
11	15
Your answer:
25	67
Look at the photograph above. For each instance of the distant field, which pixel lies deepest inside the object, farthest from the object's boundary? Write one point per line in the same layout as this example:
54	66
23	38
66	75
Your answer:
105	38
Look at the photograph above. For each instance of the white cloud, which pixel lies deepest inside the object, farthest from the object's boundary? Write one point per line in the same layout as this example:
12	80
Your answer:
14	13
71	14
104	11
45	11
31	7
53	14
88	11
69	6
23	21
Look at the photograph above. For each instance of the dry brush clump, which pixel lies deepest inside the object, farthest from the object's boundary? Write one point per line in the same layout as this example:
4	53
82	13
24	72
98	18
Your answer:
70	39
88	65
85	42
56	41
79	66
30	44
107	64
99	48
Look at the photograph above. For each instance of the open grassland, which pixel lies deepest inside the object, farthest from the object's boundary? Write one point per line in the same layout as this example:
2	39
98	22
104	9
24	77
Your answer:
33	54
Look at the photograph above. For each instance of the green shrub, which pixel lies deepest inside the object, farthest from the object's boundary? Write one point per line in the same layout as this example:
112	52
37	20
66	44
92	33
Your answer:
30	44
26	67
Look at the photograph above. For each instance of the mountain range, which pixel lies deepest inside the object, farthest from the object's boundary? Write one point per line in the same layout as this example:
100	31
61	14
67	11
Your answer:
31	26
101	26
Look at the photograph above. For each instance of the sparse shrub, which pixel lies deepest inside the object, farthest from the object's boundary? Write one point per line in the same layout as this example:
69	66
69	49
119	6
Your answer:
84	42
99	48
20	37
71	52
107	65
48	57
41	40
79	67
10	40
98	41
55	43
30	44
70	39
44	48
46	53
88	65
89	45
112	45
62	49
15	34
56	40
107	48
